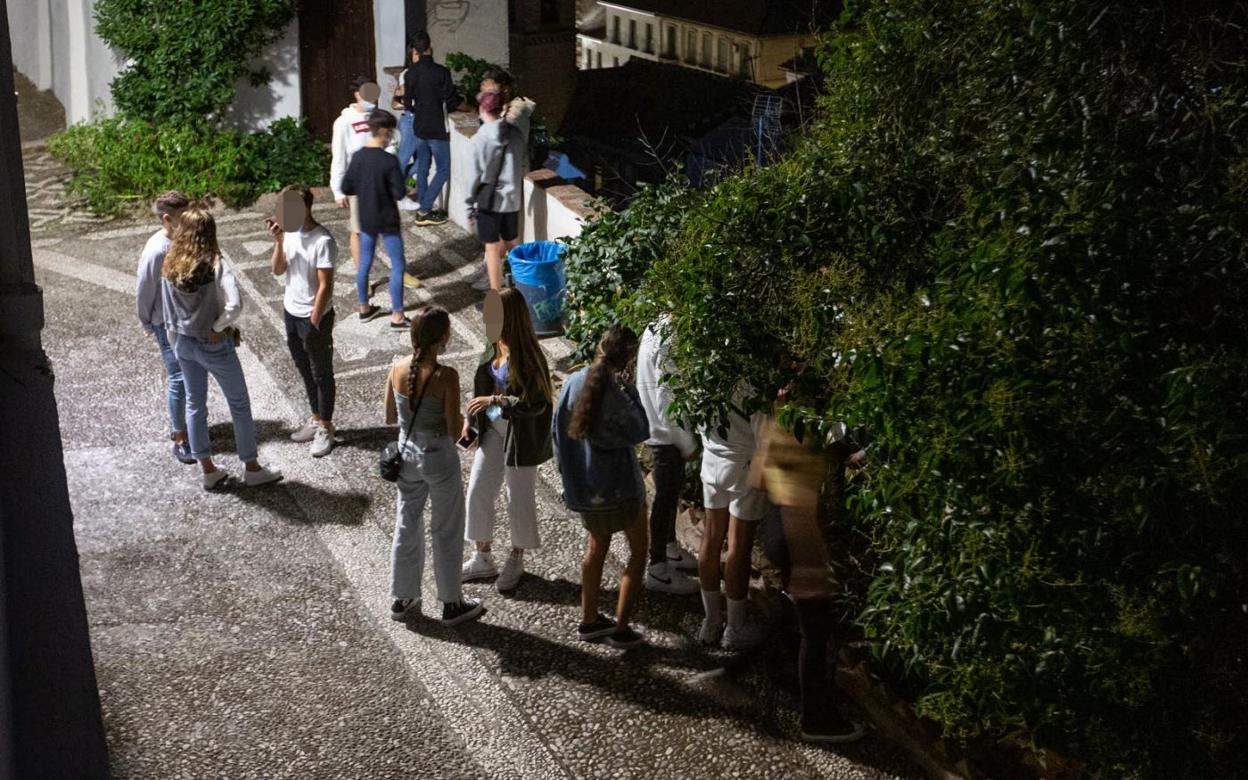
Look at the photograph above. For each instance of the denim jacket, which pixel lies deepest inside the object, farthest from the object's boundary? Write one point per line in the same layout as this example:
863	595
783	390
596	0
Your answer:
601	472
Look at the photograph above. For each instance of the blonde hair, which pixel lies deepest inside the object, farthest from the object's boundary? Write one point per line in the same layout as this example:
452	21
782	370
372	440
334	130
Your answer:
194	245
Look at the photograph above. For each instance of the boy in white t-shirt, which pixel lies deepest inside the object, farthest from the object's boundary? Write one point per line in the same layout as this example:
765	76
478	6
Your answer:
733	510
304	254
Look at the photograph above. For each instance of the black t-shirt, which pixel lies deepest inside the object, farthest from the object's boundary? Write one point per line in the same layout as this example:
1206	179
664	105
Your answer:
375	179
429	93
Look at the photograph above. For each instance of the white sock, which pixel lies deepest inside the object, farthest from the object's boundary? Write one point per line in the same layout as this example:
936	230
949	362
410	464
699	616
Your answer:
737	610
710	603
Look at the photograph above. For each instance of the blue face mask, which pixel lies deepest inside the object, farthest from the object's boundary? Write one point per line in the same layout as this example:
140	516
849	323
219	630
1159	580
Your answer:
368	107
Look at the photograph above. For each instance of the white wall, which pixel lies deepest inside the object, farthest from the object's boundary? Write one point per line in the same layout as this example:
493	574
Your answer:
463	127
552	213
477	28
30	32
255	108
389	24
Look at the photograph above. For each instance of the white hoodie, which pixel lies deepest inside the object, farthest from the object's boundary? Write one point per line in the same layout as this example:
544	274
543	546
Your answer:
656	396
350	133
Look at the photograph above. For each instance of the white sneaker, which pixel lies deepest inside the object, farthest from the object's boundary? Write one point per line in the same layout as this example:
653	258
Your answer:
745	635
215	478
407	204
664	578
306	433
708	634
322	442
509	577
681	558
263	476
480	567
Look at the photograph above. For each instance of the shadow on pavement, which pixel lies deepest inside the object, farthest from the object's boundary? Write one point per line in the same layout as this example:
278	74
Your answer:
299	502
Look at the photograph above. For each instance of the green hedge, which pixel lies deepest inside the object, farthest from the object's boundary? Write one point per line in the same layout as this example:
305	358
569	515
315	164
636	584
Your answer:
118	163
1012	247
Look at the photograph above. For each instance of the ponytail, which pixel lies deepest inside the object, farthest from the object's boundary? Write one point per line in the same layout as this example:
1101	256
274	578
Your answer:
616	348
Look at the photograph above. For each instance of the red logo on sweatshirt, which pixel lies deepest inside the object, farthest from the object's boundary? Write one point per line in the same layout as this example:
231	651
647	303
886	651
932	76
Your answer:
360	126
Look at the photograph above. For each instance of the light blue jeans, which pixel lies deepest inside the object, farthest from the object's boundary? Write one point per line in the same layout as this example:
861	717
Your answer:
393	243
407	144
430	473
427	191
175	393
199	359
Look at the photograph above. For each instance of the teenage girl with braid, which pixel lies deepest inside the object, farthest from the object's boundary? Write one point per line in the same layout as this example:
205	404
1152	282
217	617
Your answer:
599	421
423	397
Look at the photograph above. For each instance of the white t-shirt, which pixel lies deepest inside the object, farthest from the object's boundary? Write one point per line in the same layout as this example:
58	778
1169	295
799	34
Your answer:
305	253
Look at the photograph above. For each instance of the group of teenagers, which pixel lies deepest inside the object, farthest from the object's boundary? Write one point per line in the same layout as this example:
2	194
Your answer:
514	421
374	155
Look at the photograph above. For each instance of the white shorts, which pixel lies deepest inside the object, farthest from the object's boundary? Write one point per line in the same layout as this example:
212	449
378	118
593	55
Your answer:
726	485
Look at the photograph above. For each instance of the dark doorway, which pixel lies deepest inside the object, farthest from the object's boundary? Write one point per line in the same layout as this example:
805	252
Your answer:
416	19
335	44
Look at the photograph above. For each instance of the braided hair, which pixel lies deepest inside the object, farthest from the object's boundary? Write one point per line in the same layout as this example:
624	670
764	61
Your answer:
616	349
430	324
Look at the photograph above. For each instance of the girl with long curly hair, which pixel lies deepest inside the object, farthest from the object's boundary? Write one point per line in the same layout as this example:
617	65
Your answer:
511	416
201	303
598	423
422	395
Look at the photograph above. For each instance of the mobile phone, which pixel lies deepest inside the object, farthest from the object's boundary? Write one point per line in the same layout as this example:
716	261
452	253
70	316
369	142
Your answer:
467	440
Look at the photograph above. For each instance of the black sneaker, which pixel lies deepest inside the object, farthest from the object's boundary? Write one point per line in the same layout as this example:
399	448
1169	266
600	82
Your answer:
831	728
182	451
429	218
373	313
465	610
401	608
625	639
403	324
602	626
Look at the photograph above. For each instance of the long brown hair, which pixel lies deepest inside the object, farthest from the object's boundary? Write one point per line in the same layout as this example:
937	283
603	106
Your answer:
616	348
193	251
430	324
529	374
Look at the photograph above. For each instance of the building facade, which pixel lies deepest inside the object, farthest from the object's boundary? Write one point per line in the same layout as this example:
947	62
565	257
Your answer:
323	48
743	39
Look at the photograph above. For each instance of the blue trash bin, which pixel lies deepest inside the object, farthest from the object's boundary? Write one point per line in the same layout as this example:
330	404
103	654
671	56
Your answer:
537	272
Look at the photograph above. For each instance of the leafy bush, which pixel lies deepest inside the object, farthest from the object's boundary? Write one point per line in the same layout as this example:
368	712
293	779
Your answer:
286	153
119	163
607	261
1013	247
185	58
467	71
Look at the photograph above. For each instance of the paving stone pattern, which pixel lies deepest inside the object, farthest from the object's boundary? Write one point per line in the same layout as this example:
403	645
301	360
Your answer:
246	633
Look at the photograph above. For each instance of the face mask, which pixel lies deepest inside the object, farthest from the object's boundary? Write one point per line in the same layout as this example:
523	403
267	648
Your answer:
368	107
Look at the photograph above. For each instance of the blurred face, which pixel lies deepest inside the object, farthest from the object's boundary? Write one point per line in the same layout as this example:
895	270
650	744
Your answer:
490	85
493	316
291	211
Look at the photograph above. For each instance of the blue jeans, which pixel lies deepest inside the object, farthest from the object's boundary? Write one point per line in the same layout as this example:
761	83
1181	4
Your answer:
430	474
427	191
393	243
175	393
198	359
407	144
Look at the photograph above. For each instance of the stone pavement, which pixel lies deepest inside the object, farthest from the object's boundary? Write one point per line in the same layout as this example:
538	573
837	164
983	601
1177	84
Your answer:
246	633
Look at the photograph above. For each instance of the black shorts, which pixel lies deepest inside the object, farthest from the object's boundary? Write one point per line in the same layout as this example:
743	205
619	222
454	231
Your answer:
493	226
